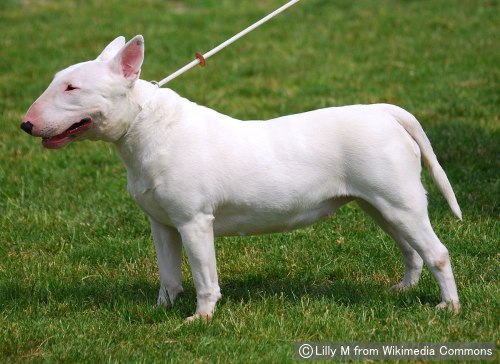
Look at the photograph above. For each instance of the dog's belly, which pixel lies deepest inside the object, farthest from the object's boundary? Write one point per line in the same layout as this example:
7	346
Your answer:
238	220
254	219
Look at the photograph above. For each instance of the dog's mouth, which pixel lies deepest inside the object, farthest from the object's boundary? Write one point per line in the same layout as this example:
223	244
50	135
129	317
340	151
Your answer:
60	140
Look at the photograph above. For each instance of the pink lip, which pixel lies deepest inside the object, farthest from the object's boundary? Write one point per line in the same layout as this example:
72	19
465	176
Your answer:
60	140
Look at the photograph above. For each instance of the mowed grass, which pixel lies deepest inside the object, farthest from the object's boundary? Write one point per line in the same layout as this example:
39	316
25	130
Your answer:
78	275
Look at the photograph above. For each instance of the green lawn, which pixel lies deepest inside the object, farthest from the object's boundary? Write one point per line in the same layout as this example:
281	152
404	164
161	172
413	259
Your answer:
78	275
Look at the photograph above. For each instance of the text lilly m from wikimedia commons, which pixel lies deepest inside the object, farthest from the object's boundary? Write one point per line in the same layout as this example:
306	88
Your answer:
395	351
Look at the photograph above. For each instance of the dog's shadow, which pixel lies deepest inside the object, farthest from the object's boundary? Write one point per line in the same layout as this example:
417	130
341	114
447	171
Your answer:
328	289
263	286
245	289
78	292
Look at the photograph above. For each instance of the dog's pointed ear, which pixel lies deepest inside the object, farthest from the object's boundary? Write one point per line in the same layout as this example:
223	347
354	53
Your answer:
112	49
128	61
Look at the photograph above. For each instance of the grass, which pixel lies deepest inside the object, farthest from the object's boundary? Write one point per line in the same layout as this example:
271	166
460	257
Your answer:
78	276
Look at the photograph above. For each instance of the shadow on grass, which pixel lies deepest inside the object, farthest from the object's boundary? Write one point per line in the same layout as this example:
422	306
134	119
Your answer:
110	295
252	287
85	294
336	291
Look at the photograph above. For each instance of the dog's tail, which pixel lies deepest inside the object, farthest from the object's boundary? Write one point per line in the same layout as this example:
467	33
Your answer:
413	127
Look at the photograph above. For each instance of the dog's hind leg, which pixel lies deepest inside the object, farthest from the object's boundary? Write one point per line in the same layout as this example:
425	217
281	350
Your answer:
421	237
168	246
412	260
408	219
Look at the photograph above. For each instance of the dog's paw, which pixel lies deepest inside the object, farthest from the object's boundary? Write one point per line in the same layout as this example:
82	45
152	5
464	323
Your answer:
198	316
163	301
399	287
452	306
166	298
402	286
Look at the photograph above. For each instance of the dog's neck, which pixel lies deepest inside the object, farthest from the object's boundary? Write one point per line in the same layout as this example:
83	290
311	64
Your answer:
143	92
151	111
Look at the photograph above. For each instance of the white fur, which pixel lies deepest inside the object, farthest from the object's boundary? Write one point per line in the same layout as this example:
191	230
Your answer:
198	173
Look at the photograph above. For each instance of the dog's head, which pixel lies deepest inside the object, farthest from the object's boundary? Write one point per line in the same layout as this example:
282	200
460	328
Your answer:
88	100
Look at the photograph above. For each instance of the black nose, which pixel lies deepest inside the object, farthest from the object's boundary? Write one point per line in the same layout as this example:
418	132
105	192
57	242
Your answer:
27	127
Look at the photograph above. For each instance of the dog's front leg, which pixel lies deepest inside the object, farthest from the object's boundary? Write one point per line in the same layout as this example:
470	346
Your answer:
168	246
198	240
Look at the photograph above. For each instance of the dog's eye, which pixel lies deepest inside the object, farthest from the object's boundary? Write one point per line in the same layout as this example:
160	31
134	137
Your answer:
70	87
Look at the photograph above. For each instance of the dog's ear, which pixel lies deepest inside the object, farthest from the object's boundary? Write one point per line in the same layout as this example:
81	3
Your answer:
128	61
112	49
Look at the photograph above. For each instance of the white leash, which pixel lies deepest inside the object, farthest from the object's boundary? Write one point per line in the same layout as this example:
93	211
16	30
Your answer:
201	58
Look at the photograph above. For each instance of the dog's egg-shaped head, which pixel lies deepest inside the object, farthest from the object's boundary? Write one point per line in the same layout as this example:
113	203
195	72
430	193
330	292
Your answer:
85	101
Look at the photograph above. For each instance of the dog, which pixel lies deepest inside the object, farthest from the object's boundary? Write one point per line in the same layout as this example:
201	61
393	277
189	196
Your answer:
199	174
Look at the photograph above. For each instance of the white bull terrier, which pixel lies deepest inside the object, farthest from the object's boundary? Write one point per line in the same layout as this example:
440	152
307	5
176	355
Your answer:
199	174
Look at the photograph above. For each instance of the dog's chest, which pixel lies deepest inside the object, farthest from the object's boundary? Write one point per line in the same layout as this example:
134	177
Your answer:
143	188
152	202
